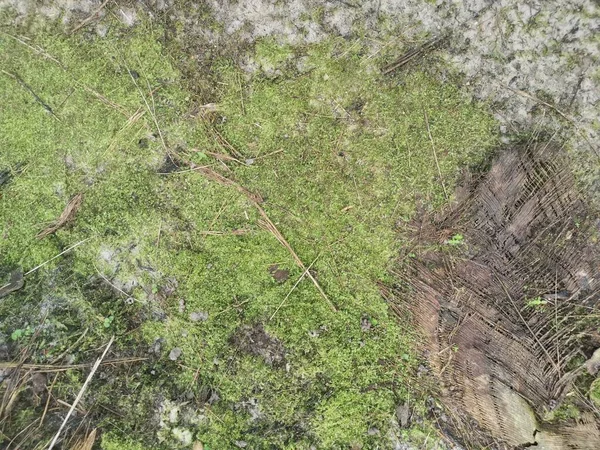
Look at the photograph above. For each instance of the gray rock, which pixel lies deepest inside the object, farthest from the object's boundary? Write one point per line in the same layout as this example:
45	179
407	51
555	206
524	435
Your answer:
175	354
403	415
198	316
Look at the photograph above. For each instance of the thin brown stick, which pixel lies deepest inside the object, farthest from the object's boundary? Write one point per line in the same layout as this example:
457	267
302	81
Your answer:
238	232
437	163
294	287
224	157
103	99
83	388
218	137
215	176
54	257
61	368
38	50
68	405
90	18
410	55
270	226
266	223
48	400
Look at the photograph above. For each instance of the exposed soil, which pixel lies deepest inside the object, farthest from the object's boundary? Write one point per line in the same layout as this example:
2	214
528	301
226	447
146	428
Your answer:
254	340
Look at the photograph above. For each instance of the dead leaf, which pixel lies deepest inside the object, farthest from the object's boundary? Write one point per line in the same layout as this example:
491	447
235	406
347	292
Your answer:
65	217
87	442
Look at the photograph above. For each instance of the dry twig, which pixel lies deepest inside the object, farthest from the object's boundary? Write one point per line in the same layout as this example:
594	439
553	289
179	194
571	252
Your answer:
294	287
267	224
83	388
61	368
90	18
437	163
410	55
65	217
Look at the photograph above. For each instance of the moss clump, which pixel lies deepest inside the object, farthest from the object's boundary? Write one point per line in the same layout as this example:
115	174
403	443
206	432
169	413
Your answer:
342	157
595	392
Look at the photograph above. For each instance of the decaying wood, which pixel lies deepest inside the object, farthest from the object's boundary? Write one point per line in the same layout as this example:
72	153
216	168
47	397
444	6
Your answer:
504	300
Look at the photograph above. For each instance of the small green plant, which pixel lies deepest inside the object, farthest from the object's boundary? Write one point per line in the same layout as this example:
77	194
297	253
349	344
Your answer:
107	322
536	302
20	332
455	240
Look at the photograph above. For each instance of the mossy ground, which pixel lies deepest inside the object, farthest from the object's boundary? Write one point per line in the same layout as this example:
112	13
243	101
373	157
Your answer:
341	156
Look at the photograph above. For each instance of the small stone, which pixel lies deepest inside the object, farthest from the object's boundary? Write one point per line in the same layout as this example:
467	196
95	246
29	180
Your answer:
249	161
365	324
403	415
198	316
39	381
175	354
156	346
241	444
593	364
372	431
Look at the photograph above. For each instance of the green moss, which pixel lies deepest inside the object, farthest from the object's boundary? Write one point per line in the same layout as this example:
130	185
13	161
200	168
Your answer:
595	392
342	157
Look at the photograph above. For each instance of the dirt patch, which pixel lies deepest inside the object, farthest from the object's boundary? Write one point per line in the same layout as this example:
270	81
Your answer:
279	275
502	290
255	341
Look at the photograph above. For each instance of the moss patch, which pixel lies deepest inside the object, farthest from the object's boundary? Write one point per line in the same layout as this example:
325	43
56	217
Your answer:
178	267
